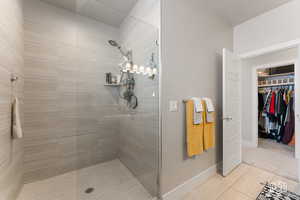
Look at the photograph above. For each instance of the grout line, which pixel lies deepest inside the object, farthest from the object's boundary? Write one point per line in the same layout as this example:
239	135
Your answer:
244	193
231	185
273	175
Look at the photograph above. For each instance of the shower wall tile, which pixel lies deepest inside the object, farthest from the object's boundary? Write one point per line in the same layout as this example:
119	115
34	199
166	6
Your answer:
139	129
70	117
11	62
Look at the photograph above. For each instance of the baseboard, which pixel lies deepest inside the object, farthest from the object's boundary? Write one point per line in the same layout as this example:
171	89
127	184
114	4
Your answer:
189	185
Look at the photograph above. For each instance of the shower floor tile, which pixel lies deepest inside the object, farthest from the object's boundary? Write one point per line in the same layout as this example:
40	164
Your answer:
109	181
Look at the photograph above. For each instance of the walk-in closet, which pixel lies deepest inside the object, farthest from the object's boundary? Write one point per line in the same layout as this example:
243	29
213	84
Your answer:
276	103
269	102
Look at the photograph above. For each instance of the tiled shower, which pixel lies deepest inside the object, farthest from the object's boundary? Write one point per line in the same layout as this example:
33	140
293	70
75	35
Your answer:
76	127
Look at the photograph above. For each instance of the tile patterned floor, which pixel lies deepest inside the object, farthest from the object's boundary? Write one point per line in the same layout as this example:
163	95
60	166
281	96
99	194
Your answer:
111	181
242	184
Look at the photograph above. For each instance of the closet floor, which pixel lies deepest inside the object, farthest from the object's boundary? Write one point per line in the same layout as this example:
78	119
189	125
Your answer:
274	157
244	183
110	181
276	147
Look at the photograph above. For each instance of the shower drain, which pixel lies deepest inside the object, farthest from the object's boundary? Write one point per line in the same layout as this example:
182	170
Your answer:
89	190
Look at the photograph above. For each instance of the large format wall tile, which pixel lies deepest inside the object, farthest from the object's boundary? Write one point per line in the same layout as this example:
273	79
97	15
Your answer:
11	62
70	117
139	129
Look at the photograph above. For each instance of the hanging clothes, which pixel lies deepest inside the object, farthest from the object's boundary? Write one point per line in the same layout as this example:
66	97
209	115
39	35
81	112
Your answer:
276	114
289	123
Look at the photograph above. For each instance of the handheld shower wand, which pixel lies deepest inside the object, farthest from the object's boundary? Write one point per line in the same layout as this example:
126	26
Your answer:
127	55
129	82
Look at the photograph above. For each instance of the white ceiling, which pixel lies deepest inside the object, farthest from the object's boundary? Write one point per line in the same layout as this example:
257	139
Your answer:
238	11
111	12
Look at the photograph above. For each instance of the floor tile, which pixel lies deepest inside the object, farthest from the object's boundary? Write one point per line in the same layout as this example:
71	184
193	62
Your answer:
233	195
250	184
237	173
211	190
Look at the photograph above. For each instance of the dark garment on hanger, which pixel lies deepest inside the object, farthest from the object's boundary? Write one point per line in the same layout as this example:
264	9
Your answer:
260	102
267	101
281	125
281	103
290	124
279	98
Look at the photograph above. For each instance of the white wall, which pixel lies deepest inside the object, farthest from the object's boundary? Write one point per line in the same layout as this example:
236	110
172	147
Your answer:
192	42
276	26
249	109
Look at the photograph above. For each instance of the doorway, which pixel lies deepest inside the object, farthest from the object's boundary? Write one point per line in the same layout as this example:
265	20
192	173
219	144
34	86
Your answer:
275	119
253	148
273	146
276	114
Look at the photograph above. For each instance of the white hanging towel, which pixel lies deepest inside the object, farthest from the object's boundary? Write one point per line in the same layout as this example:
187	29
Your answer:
210	109
16	120
198	109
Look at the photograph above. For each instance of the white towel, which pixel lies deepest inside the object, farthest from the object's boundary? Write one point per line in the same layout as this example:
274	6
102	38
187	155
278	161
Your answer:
198	109
16	121
209	109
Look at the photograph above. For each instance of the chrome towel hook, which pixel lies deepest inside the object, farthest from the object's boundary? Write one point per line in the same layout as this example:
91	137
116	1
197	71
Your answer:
14	78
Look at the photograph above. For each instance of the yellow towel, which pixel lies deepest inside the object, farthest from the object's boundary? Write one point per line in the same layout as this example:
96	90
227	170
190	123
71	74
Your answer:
209	130
194	133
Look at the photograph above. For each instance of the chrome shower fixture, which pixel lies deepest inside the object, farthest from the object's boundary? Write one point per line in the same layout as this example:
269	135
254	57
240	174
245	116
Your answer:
127	80
126	55
128	66
114	43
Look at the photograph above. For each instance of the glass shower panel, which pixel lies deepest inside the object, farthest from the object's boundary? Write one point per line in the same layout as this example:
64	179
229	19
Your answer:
139	128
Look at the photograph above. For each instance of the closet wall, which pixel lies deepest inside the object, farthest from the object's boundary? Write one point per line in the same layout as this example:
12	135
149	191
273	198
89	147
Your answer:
11	62
71	119
249	126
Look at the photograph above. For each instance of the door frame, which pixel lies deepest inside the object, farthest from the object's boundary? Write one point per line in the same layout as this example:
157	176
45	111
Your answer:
254	92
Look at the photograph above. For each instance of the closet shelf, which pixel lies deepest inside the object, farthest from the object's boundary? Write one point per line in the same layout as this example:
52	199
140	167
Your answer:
275	75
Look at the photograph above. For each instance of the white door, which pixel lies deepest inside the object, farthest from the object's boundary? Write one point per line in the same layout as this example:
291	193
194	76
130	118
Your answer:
232	137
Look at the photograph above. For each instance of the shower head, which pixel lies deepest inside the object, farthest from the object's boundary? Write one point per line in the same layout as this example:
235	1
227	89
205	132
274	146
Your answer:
114	43
125	54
